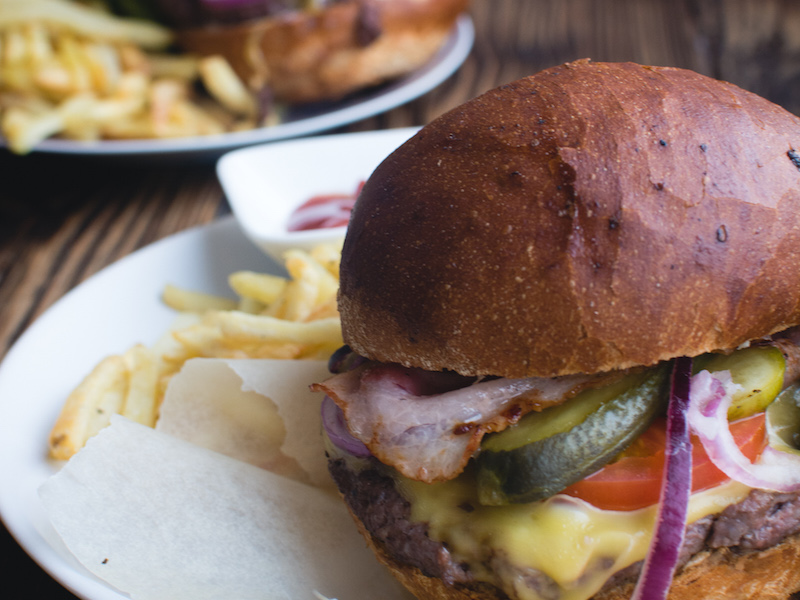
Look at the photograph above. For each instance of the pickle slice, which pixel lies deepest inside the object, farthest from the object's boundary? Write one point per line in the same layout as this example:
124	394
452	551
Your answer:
758	370
546	452
783	420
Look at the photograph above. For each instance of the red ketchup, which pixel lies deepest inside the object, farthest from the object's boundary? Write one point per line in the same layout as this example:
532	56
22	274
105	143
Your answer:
328	210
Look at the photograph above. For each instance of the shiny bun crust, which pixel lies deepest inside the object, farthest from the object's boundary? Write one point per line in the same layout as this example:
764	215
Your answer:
311	56
591	217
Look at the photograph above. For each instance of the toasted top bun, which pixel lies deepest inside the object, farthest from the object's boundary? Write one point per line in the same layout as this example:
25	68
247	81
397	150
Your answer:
590	217
310	56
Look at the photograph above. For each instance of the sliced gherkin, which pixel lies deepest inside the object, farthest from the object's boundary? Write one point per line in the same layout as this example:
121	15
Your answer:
758	370
783	420
548	451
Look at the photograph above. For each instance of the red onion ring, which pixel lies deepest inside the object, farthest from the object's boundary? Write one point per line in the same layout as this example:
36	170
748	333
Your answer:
662	556
336	428
708	418
344	359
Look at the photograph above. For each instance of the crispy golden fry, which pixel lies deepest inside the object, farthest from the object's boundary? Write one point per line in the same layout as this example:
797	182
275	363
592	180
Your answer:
324	310
262	287
103	64
293	318
305	267
80	73
85	21
259	328
250	305
312	286
82	116
23	129
329	256
141	398
223	84
89	407
187	300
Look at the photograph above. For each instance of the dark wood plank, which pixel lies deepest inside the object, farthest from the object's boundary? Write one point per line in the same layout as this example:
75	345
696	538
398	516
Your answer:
62	220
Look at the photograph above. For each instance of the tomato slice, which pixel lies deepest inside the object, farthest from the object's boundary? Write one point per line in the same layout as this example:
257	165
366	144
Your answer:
634	481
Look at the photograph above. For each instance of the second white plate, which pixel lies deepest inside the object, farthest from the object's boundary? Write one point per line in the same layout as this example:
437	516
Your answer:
303	121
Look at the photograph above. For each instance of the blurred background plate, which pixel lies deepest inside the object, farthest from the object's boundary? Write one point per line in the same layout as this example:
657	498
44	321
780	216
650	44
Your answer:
300	121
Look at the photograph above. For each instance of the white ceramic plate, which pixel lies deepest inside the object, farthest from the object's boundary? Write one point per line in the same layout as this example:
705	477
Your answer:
305	121
116	308
264	184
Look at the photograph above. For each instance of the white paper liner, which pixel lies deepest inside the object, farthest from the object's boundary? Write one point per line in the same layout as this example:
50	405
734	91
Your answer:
188	514
257	411
158	518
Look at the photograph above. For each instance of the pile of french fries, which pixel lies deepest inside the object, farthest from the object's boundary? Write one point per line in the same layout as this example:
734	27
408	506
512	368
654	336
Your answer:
272	317
79	72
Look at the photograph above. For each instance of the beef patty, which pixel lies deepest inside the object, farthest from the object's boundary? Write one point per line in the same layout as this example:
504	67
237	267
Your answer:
759	521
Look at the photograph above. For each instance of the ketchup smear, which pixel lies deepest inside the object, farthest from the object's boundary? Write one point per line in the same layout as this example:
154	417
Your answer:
329	210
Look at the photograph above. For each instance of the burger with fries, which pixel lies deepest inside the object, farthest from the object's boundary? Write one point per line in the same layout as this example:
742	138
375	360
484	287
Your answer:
571	308
141	69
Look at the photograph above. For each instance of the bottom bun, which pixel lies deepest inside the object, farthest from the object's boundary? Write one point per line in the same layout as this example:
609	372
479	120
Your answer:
729	573
723	573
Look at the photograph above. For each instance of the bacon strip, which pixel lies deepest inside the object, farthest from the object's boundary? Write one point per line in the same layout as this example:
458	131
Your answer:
428	425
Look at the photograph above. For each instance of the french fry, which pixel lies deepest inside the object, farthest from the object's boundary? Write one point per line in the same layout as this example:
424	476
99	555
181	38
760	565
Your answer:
84	20
202	339
325	310
311	287
187	300
71	55
329	256
183	118
250	305
300	300
261	287
104	67
141	397
39	48
224	84
303	266
53	80
55	51
89	407
293	318
23	129
259	328
15	73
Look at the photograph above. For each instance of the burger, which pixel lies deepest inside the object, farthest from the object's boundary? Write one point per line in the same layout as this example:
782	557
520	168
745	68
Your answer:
305	51
571	310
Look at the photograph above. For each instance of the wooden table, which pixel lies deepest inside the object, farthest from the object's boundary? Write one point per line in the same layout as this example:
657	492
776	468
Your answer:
64	218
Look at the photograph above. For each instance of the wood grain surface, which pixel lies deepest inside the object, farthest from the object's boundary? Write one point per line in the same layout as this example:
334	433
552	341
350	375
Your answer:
64	218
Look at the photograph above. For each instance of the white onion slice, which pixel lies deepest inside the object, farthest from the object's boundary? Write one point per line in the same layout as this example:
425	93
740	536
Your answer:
708	418
662	556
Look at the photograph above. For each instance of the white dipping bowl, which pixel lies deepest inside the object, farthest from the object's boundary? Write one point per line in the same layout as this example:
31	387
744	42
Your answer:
265	184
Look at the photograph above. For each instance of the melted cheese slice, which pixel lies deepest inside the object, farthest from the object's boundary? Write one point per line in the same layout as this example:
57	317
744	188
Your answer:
575	545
